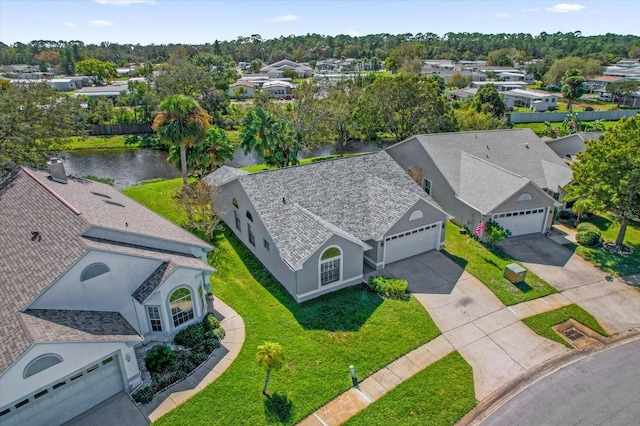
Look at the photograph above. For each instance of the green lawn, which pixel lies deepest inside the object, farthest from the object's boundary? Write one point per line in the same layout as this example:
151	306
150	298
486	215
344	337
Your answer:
262	167
488	266
612	263
76	143
438	395
542	323
538	128
321	337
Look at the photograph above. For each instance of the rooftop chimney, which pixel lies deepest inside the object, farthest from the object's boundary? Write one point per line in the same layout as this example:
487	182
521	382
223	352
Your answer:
56	170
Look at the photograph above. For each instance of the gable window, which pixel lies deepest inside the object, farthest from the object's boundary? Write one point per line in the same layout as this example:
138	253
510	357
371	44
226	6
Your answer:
153	313
525	197
415	215
237	218
93	270
181	306
41	363
252	238
426	185
330	265
235	203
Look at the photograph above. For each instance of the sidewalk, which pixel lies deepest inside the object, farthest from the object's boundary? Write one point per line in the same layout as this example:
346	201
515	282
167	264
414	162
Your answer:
208	372
492	338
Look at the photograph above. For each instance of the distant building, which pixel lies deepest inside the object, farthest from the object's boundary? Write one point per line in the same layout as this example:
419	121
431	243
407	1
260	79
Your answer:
275	70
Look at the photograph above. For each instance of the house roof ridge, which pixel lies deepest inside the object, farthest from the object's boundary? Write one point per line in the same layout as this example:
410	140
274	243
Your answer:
50	190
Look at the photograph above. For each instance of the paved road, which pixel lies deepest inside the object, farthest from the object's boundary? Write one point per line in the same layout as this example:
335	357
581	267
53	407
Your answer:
600	390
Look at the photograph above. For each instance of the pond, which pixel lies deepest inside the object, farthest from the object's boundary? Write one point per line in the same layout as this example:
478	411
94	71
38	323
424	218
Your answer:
127	167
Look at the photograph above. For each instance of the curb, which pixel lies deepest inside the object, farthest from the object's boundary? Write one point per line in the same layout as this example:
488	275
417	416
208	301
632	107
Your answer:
501	396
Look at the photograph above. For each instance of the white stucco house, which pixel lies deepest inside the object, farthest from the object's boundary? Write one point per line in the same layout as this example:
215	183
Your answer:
315	226
87	275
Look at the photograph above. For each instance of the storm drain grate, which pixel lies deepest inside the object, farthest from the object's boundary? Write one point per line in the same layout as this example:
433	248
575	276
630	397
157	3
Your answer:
573	334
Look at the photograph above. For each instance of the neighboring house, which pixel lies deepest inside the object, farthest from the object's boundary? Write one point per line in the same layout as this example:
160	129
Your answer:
110	91
275	70
63	83
501	86
598	84
534	100
460	94
509	176
314	226
248	87
566	147
278	88
87	275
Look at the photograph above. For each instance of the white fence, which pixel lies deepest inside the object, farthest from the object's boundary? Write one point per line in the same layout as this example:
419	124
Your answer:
541	117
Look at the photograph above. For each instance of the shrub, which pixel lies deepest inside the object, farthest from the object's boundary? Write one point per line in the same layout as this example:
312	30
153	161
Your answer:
588	108
198	358
160	358
387	286
587	226
494	233
210	345
218	333
210	322
588	238
144	395
191	336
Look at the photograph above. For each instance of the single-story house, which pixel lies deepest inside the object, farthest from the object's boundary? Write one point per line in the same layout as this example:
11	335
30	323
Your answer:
110	91
509	176
275	70
315	226
535	100
67	83
87	275
278	88
501	86
242	89
566	147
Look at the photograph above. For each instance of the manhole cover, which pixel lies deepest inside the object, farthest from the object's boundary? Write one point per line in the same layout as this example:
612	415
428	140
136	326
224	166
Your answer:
573	334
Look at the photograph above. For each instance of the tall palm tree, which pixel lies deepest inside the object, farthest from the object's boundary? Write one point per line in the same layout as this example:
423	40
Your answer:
572	87
270	356
181	122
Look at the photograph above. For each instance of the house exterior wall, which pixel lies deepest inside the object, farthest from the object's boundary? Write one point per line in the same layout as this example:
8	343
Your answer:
569	145
539	199
308	279
373	256
430	215
75	356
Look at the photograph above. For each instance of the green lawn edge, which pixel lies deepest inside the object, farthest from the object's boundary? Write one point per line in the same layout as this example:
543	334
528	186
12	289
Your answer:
487	265
321	338
542	323
440	394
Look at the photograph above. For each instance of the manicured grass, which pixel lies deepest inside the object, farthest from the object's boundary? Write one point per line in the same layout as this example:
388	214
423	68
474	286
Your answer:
542	323
321	338
612	263
158	196
487	264
539	129
76	143
263	167
438	395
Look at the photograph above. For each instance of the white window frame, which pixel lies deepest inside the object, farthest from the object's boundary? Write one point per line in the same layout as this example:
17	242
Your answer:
190	316
322	262
150	320
424	186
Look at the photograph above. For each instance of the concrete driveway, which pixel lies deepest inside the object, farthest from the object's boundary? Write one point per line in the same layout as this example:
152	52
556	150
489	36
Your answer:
119	410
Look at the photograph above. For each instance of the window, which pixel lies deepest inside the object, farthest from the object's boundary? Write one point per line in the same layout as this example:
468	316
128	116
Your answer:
426	185
235	215
524	197
415	215
252	238
181	306
41	363
235	203
266	244
93	270
153	312
203	302
249	216
330	263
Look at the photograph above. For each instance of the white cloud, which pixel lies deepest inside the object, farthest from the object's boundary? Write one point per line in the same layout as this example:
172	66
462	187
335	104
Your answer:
286	18
566	7
530	10
124	2
100	23
353	33
69	24
503	15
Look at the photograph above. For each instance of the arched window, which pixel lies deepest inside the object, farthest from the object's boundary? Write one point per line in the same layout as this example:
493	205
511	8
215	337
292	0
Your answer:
249	216
524	197
181	306
417	214
235	203
93	270
41	363
330	265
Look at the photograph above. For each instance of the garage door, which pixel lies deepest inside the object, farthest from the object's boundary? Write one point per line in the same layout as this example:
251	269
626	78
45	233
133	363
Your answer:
410	243
68	398
521	222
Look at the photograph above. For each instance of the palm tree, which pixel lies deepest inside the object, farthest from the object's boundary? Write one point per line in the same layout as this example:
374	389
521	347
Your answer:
270	356
181	122
571	123
572	86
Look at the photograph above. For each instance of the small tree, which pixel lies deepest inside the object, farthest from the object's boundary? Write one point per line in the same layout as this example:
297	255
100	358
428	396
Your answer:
270	356
292	74
494	233
196	198
572	87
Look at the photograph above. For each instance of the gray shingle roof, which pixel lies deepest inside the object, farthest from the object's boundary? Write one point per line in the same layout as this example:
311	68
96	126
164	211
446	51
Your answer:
223	175
57	325
519	151
360	197
41	237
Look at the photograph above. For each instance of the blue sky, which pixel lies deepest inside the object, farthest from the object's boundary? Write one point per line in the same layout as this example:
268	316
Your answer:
195	22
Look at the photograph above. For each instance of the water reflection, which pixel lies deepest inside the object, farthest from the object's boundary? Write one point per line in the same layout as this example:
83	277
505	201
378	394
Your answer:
127	167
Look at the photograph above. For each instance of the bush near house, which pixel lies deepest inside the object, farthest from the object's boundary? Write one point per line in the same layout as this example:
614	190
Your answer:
160	359
385	286
588	234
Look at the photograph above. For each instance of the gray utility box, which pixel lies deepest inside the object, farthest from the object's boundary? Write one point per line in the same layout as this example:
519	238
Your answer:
515	273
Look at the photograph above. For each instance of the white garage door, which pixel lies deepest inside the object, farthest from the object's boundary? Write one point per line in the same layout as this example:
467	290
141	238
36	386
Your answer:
68	398
521	222
410	243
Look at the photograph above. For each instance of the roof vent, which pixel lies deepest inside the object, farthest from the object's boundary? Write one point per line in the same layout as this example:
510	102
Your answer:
526	145
55	166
